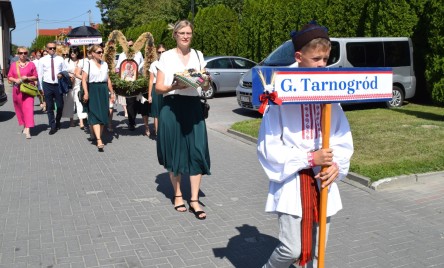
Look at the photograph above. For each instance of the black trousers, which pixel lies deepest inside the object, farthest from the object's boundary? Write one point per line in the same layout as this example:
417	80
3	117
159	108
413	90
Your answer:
131	107
53	95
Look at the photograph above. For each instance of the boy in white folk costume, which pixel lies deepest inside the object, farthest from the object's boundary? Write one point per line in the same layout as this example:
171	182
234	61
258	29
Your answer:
290	151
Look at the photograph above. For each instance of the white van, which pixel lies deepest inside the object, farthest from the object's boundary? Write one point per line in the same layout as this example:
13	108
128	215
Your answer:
394	52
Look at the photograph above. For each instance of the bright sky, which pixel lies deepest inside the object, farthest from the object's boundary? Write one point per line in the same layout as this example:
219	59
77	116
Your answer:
53	14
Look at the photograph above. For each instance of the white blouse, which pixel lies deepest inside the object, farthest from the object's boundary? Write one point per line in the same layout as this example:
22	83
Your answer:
95	74
170	64
153	70
287	133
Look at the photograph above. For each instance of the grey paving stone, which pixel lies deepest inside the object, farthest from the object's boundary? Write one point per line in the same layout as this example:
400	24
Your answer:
63	204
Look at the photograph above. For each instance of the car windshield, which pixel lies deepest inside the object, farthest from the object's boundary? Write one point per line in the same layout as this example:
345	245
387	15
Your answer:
282	56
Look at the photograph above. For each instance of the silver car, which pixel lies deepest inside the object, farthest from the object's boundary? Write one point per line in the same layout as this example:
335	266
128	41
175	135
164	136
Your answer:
225	72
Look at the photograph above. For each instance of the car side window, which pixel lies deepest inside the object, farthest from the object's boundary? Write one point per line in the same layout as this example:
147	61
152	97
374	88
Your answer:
397	53
220	64
334	53
365	54
243	64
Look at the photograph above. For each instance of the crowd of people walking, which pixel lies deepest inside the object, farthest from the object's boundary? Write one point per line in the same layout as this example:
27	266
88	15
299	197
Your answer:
74	85
46	69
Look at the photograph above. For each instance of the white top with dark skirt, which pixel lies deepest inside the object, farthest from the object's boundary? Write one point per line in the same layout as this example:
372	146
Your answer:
170	64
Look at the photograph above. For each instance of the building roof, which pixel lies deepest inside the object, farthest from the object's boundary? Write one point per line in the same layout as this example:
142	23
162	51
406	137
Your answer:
60	31
7	12
54	32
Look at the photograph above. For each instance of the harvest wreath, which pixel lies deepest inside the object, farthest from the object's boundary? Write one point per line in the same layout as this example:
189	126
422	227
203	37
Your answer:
140	85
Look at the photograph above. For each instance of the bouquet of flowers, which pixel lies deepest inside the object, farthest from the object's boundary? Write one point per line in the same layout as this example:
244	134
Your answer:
193	78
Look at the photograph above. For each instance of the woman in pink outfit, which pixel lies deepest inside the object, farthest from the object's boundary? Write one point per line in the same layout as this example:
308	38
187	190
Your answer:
23	104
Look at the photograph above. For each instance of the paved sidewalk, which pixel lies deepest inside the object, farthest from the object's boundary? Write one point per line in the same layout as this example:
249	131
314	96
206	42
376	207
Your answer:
63	204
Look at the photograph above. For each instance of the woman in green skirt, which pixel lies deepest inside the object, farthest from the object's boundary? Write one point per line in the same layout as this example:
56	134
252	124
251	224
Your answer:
155	99
98	91
182	143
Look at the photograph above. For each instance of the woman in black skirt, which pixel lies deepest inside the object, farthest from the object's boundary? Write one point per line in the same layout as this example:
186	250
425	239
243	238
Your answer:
98	91
182	143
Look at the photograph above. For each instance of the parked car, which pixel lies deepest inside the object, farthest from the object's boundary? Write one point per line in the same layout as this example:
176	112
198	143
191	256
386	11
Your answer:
394	52
3	96
225	72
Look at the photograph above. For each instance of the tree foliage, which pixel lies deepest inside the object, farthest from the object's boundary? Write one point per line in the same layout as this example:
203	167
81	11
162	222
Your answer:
222	41
253	28
434	12
41	41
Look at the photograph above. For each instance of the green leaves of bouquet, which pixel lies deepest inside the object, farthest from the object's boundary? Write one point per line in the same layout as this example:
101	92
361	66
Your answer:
128	88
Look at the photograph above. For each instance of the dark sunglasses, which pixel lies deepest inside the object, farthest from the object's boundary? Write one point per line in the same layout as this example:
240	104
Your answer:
98	52
160	52
23	53
52	48
65	55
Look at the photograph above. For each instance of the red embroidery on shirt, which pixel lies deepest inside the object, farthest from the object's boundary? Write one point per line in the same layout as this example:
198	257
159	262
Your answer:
311	121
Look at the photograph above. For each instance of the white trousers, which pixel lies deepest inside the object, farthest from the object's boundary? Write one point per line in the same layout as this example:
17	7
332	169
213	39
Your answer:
79	105
289	249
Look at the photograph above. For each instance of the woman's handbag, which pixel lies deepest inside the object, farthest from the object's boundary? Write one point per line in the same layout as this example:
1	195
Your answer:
205	106
28	89
203	100
81	93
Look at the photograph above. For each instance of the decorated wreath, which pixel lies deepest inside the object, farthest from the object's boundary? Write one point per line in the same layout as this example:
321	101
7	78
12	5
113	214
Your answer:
138	85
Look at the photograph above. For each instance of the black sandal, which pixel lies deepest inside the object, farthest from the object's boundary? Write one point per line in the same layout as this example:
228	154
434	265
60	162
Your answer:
196	213
180	206
100	147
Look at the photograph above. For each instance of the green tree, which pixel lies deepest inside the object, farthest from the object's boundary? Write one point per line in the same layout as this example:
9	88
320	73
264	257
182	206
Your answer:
41	41
222	41
159	30
434	12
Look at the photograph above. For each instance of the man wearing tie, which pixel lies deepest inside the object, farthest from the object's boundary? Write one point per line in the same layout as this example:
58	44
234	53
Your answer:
49	69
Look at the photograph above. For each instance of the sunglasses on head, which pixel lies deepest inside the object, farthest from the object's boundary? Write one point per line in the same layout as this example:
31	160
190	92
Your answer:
23	53
52	48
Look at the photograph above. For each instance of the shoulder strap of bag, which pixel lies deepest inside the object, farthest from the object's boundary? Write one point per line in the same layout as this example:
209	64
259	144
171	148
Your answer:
18	70
198	58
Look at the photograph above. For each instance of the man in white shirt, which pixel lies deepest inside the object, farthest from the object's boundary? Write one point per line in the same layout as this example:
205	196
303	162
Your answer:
131	102
49	69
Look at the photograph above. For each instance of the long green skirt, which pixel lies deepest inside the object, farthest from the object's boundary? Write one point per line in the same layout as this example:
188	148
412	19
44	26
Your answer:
98	103
182	142
157	102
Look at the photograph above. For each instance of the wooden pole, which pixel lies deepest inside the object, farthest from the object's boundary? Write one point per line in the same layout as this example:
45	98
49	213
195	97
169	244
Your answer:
326	121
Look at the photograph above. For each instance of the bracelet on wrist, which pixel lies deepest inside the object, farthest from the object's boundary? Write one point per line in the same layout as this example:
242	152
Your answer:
310	157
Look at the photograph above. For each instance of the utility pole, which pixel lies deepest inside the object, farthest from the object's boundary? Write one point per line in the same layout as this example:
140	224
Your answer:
90	18
37	26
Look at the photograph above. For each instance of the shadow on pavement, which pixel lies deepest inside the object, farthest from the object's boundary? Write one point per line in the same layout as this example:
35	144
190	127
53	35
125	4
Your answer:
165	187
248	249
246	112
6	115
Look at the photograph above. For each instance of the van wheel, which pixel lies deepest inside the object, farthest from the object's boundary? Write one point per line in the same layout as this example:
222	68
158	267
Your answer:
397	99
209	94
